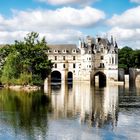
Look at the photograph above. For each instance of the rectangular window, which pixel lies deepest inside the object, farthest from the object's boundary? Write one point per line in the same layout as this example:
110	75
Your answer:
63	57
102	65
55	65
102	50
73	57
55	57
74	66
102	57
63	65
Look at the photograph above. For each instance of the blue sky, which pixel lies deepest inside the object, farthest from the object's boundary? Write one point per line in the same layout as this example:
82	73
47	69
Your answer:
64	21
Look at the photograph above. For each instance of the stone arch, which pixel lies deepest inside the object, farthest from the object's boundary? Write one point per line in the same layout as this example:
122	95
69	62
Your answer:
56	76
101	81
70	76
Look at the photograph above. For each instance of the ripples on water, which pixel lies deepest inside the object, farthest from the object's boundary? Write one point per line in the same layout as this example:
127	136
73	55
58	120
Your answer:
71	112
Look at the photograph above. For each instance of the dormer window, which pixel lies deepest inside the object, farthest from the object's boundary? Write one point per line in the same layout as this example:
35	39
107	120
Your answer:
55	51
48	51
74	51
64	51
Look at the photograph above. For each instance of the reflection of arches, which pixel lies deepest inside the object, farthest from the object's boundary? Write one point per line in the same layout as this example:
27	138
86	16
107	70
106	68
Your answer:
56	76
133	76
101	78
70	76
137	78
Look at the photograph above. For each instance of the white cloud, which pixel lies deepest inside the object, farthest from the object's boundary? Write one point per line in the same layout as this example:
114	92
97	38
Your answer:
126	27
125	34
58	25
10	37
65	2
65	36
59	18
128	19
136	1
129	37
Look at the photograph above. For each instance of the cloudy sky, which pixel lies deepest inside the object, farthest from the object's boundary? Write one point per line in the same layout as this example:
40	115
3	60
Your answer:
64	21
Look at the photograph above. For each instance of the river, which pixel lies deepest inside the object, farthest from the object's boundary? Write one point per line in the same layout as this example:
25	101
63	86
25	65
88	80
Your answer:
71	112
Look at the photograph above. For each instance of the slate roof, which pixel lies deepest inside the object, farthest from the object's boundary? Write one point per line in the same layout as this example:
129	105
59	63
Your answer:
62	47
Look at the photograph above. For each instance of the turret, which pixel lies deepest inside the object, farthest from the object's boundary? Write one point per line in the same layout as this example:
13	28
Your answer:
83	46
80	44
112	41
116	47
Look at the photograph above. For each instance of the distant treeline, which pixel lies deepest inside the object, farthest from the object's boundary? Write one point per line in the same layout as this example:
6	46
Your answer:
128	58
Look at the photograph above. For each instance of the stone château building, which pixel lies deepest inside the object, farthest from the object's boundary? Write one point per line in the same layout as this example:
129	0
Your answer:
93	57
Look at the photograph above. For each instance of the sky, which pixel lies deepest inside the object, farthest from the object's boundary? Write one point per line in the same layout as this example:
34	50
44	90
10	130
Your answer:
65	21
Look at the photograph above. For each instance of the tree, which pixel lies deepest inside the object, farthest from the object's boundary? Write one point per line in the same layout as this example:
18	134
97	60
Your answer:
137	58
129	58
33	65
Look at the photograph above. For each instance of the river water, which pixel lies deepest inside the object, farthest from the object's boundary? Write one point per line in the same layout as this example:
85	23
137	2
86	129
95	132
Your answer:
71	112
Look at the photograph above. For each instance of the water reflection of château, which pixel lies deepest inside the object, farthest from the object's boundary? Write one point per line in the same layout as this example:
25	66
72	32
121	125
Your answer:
92	105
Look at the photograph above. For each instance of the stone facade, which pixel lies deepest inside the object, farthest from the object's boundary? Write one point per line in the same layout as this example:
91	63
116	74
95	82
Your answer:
93	56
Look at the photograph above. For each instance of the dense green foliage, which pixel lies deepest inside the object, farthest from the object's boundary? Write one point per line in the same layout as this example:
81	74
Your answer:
25	62
129	58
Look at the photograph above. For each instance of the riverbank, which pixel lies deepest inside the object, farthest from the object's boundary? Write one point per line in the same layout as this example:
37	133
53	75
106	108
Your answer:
26	88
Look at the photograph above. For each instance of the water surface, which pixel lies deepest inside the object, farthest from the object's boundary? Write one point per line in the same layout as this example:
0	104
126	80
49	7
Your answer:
71	112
